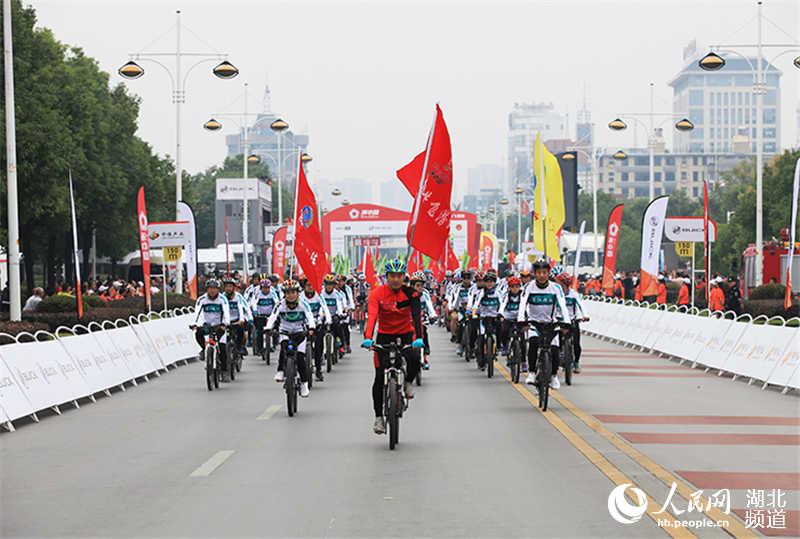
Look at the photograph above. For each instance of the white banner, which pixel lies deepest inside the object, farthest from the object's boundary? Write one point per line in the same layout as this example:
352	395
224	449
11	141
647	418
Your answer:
168	234
95	367
688	229
652	229
234	188
13	402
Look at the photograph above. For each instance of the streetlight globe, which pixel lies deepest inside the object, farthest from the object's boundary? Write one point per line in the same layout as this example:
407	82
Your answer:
345	202
305	158
620	155
279	125
569	156
684	125
796	62
212	125
253	159
519	190
131	70
711	62
503	201
617	124
225	70
336	192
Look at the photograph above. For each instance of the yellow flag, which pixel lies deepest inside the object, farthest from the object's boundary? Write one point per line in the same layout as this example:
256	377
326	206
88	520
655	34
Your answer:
553	210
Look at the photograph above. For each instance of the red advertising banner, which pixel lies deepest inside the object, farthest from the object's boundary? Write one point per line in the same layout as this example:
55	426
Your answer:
279	252
610	249
144	244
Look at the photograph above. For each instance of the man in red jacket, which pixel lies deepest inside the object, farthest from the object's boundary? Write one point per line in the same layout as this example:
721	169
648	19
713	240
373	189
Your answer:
396	309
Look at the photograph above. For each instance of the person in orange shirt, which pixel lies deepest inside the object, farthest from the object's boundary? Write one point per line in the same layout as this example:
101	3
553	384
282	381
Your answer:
716	297
661	298
683	293
618	291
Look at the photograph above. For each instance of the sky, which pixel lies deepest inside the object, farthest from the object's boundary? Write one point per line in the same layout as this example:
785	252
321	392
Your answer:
362	78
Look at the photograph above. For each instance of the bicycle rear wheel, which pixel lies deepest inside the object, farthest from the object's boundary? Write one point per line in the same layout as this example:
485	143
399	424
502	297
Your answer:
516	357
489	356
329	344
393	418
289	385
210	375
569	361
542	379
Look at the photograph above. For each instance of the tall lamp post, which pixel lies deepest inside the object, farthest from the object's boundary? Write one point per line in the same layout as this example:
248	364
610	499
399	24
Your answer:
223	70
714	61
279	126
14	292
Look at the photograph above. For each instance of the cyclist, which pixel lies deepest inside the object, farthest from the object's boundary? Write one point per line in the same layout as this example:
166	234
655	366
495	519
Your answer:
396	310
349	305
296	323
576	312
239	310
212	313
540	301
322	316
485	304
428	314
525	278
262	303
457	303
508	311
333	299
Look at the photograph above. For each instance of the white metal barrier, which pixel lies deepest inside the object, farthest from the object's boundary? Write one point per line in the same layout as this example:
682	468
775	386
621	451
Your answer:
761	349
47	370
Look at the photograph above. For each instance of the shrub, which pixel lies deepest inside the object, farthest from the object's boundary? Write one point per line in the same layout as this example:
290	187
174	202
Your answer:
769	308
15	328
63	303
768	291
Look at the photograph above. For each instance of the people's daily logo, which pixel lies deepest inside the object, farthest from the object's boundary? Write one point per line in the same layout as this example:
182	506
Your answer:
621	509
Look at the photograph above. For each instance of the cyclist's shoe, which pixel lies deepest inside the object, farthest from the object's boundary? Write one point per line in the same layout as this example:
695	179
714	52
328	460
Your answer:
318	376
554	383
226	376
341	350
576	369
459	350
409	390
379	427
279	376
304	392
426	365
535	389
530	379
523	367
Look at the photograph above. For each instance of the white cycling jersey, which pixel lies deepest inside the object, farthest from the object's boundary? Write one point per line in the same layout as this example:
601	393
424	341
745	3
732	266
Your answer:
213	312
322	315
239	308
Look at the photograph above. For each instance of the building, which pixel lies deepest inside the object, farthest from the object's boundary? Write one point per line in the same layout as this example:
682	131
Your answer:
721	105
524	121
264	143
393	194
486	176
684	171
478	201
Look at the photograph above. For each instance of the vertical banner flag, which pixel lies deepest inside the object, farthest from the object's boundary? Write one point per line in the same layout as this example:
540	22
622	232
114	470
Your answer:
548	201
308	248
787	300
78	290
144	244
488	251
429	178
279	252
369	269
652	229
610	249
185	213
578	249
706	243
451	260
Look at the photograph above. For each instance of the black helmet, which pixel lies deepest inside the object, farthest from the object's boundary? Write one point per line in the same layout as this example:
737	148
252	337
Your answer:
212	283
229	280
541	264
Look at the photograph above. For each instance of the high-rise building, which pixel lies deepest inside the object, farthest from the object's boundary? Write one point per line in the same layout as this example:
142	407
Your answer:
524	121
721	105
485	176
394	195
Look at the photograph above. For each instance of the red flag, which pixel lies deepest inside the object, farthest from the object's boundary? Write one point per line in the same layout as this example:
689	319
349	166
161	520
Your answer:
436	270
414	262
451	264
524	207
308	247
706	243
610	249
369	270
144	244
279	252
429	227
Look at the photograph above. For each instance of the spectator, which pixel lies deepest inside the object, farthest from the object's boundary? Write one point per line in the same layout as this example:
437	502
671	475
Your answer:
733	299
34	300
683	293
716	297
661	297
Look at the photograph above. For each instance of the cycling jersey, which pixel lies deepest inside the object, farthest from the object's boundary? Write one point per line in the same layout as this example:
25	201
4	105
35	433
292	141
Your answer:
263	303
334	301
459	298
574	305
213	312
238	307
348	297
322	315
395	312
486	302
428	310
293	320
509	306
540	304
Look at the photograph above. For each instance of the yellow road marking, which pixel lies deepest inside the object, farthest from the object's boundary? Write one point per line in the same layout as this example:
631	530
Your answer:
734	527
593	455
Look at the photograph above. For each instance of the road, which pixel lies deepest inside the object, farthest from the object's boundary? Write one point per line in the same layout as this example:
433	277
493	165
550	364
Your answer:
476	458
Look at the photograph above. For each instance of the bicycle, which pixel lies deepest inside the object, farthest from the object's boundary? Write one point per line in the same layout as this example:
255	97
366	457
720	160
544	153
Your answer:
234	353
394	395
546	331
487	346
310	361
211	355
516	350
291	383
329	350
568	354
264	343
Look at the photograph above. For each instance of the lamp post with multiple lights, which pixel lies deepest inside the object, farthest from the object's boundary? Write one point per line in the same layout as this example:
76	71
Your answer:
279	126
714	61
132	70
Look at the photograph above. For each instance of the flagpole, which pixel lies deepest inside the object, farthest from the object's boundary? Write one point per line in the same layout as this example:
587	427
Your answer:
422	183
294	217
543	199
78	290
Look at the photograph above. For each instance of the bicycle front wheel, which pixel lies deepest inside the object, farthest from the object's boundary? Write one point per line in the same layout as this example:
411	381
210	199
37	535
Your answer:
393	418
489	356
210	375
543	381
569	361
289	385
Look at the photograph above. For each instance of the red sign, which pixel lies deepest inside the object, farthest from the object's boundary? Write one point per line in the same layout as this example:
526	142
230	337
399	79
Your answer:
144	244
610	250
367	242
279	252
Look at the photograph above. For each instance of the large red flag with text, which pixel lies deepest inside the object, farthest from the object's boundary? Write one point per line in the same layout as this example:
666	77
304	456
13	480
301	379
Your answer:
308	247
429	177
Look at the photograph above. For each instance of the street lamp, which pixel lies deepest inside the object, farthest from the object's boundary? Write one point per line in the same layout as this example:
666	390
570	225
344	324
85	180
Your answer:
253	159
714	61
336	192
620	155
305	158
131	70
504	202
212	125
279	126
345	202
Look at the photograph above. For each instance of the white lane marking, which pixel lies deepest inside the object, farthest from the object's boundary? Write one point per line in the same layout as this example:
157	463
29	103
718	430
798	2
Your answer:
216	460
269	412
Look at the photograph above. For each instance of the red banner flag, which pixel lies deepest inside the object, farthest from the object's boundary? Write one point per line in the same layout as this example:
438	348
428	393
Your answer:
414	262
436	270
279	252
451	263
144	244
369	270
610	249
308	247
432	174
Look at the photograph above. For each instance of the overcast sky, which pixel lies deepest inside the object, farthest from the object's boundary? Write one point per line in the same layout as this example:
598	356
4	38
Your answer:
362	78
